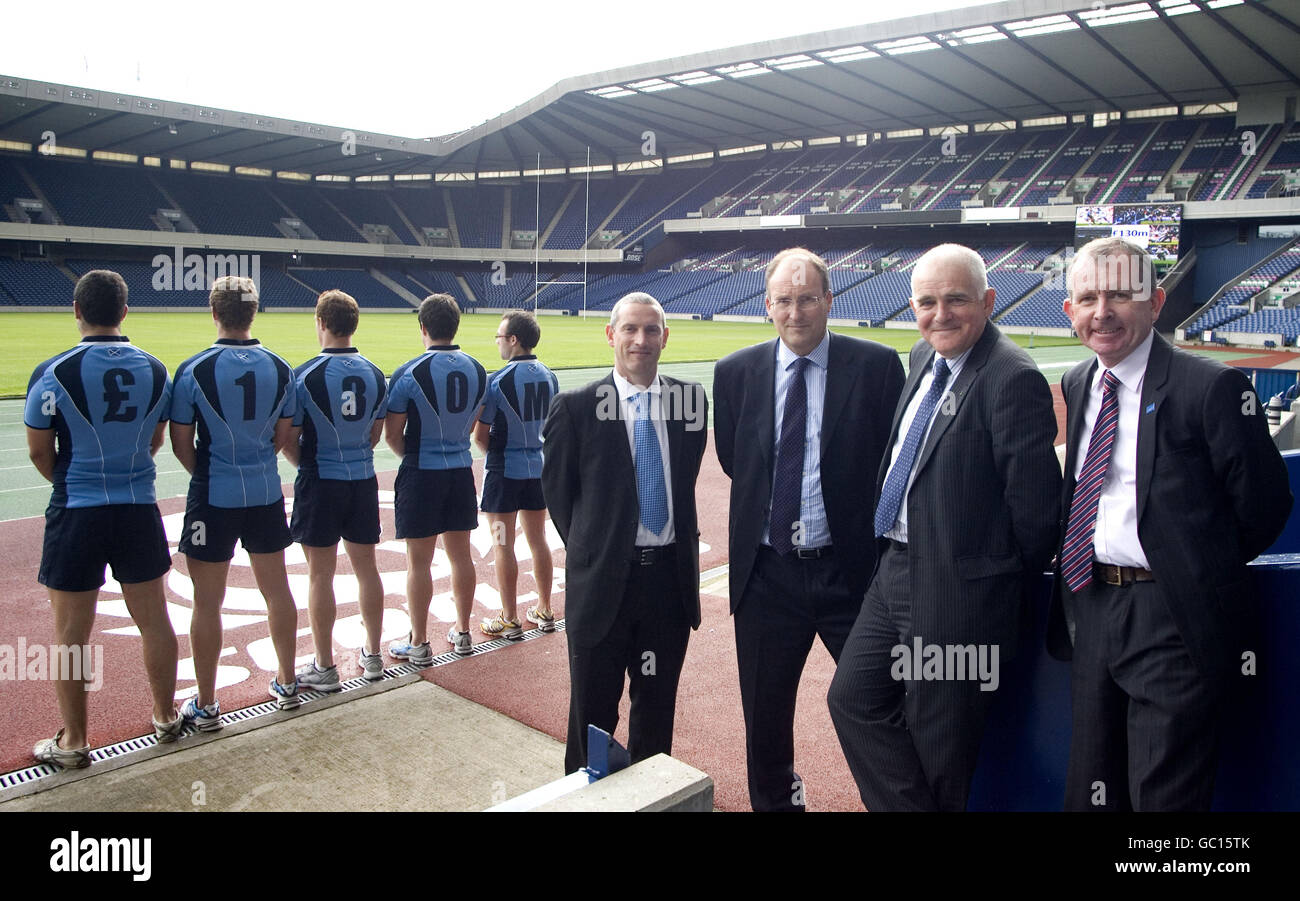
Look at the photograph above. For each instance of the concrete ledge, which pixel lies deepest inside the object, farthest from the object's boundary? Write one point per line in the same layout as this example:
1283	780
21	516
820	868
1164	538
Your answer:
658	784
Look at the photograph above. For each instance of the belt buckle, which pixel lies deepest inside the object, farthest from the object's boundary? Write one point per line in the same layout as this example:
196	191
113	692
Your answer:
807	553
1118	571
646	555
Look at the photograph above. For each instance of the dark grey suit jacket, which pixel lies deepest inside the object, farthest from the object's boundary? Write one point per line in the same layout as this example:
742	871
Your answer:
1212	495
863	379
982	512
589	482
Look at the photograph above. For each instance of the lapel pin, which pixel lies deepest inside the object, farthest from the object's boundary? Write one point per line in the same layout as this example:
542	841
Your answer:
1151	407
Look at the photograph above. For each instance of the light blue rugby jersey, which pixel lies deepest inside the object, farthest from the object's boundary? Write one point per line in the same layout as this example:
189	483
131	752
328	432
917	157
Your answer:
236	391
104	399
518	396
340	395
440	392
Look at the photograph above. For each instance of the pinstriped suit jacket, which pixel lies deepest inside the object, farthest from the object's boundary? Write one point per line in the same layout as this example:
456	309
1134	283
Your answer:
1212	494
982	512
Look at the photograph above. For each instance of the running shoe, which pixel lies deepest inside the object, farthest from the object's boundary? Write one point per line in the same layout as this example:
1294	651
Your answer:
205	719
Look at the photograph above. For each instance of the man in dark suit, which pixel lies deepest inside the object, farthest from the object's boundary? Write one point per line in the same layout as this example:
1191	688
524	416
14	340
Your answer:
1172	485
800	522
967	516
620	459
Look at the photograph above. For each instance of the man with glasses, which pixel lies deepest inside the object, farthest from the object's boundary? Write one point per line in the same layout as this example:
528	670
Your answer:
800	423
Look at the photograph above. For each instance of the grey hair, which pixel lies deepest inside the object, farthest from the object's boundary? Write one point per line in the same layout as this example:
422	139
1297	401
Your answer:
639	297
958	253
1105	248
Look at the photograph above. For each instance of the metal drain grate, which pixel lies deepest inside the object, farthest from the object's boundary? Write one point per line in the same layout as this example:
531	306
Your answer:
25	777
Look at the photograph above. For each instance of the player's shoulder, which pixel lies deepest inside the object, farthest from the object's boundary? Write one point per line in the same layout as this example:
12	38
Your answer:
152	360
405	368
187	365
276	360
302	369
45	366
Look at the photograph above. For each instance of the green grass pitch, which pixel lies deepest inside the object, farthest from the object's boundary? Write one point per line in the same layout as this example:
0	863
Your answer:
390	339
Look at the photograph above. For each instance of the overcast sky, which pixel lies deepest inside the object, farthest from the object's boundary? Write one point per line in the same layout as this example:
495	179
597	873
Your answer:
405	68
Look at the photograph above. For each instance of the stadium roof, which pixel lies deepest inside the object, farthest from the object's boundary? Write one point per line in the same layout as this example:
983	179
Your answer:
1012	61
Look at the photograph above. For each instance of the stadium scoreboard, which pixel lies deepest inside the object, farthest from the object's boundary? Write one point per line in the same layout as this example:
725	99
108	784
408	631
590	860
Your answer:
1155	227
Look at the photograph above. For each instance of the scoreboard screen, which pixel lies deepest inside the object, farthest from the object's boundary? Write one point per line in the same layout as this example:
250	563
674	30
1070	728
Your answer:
1155	227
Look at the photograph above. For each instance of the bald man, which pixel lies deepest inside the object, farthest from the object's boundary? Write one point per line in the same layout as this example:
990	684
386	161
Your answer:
966	516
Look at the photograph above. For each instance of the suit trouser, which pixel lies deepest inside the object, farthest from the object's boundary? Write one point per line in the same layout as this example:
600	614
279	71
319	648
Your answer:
1145	733
787	603
911	744
647	642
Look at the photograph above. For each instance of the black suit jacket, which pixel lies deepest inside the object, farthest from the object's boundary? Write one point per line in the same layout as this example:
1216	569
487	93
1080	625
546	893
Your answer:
1212	494
982	510
863	379
589	482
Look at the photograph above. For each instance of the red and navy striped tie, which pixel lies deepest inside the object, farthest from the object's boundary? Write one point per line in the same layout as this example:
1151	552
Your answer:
1076	557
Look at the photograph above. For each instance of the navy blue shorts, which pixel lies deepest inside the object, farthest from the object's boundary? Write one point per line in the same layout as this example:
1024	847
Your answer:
502	495
210	532
81	541
429	502
325	510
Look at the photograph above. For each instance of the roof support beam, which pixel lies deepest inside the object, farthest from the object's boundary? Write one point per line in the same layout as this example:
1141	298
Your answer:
916	70
1196	52
1000	77
1254	48
1132	67
1047	60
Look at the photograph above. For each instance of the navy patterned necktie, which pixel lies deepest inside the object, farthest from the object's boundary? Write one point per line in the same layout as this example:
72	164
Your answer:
891	495
787	488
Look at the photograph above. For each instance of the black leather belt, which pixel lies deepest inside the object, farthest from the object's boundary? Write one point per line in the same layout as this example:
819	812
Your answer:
648	556
812	553
799	553
1120	575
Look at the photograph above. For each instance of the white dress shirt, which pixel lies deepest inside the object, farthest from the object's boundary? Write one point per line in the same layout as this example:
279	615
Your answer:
1116	537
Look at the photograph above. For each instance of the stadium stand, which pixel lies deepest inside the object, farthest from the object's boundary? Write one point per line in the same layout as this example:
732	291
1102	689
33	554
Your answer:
316	212
370	206
223	205
361	285
34	283
1118	163
99	196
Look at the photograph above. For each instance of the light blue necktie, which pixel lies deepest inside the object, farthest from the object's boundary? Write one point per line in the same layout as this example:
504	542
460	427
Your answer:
650	490
891	496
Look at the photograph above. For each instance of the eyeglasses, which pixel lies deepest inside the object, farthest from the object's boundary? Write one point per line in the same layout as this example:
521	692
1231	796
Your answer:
806	302
503	336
